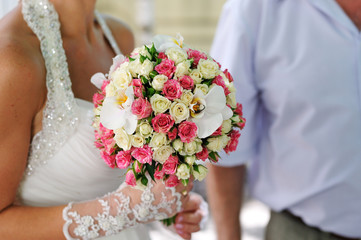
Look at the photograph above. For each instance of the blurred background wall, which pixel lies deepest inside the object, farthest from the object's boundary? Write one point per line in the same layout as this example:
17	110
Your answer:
196	20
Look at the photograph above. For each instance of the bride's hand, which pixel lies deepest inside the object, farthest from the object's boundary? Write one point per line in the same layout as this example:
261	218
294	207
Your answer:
194	212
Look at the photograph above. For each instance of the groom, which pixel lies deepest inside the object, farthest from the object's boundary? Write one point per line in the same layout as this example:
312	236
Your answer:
297	69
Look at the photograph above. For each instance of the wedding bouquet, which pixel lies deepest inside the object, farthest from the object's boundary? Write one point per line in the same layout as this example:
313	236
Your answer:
162	109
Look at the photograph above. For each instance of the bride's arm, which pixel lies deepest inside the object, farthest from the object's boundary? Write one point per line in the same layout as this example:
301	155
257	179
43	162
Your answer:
22	93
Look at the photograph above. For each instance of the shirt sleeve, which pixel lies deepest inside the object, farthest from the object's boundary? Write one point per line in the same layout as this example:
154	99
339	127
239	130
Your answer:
233	48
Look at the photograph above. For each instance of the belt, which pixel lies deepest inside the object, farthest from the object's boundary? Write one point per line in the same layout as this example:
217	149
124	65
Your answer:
338	237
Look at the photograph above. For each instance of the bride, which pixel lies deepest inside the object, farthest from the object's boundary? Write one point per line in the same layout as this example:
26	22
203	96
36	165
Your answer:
53	184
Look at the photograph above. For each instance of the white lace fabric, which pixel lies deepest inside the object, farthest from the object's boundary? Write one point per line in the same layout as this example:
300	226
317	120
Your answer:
122	209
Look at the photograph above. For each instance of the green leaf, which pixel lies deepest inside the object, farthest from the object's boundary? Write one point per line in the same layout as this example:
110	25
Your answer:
169	221
131	59
158	61
144	180
185	182
213	157
195	167
150	170
142	58
144	80
150	92
153	73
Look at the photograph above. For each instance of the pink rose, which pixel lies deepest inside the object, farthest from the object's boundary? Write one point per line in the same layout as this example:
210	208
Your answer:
166	67
186	82
218	80
203	155
143	154
108	159
123	159
162	55
104	85
142	108
105	132
172	181
228	75
196	55
109	144
218	132
98	99
172	134
242	123
162	123
187	131
138	167
232	144
170	165
172	89
239	109
130	179
138	88
158	174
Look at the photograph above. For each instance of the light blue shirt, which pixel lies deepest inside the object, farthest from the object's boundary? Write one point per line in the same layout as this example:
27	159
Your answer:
297	70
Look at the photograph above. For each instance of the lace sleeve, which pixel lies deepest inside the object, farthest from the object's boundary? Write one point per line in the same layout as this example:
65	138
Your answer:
119	210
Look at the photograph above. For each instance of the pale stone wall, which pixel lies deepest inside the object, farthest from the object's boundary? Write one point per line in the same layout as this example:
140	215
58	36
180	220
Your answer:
196	20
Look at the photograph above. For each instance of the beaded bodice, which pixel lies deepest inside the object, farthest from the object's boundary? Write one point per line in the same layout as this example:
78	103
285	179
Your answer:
60	113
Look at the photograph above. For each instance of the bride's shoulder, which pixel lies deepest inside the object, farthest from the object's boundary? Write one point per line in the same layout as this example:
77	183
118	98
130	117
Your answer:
121	32
22	70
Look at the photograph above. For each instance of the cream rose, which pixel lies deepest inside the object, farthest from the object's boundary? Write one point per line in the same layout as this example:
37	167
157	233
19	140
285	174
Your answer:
176	54
182	69
183	172
236	119
187	97
178	145
111	90
231	100
190	159
203	87
196	75
146	68
216	144
122	139
179	111
162	154
159	103
192	148
137	140
158	140
158	82
231	87
121	78
226	126
201	173
135	68
145	129
208	68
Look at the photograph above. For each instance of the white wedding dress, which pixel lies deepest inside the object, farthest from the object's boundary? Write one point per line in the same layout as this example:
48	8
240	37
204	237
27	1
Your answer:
63	164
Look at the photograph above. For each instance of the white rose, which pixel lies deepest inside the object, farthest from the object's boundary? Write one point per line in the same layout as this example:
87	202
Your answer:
190	148
226	126
231	87
176	54
162	154
137	140
187	97
183	172
196	75
201	173
121	78
158	82
158	140
224	78
208	68
216	144
146	68
202	87
135	68
179	111
190	159
231	100
236	119
140	51
145	129
111	90
182	69
122	139
159	103
178	145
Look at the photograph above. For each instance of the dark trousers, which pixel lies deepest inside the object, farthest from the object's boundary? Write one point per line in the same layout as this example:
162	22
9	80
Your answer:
285	226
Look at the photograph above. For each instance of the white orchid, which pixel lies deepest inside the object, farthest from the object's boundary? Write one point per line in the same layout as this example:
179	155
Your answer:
209	111
116	111
164	42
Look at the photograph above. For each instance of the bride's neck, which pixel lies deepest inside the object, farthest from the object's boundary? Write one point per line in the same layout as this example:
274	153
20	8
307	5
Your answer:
76	16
